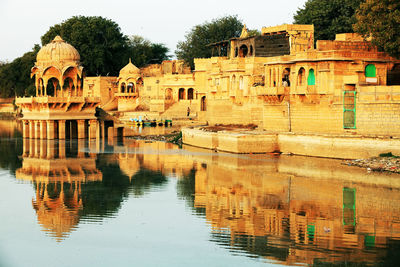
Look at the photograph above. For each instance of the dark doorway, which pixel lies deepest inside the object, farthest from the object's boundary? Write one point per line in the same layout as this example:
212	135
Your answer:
181	93
393	76
190	94
203	104
243	51
71	129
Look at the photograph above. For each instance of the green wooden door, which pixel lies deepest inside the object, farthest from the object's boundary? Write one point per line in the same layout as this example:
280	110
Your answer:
349	109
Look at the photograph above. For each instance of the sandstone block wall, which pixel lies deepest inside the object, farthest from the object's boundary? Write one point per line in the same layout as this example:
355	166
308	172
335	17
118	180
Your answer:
225	112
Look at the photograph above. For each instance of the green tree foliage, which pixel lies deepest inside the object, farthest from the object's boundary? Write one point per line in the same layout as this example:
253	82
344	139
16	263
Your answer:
380	19
328	16
15	76
195	45
99	41
144	52
104	50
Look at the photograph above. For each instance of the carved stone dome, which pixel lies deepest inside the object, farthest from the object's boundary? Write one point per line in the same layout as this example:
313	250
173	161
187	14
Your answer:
129	69
57	50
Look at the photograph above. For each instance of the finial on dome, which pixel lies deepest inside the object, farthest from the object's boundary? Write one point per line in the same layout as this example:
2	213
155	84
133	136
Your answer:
130	61
244	33
57	39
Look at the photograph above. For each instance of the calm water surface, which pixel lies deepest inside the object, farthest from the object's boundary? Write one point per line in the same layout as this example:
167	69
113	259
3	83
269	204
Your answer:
137	203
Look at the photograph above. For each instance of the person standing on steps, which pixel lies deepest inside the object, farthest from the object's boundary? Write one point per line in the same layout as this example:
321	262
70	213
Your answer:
188	111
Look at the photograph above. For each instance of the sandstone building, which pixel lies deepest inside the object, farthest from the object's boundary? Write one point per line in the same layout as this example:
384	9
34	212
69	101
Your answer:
277	81
341	86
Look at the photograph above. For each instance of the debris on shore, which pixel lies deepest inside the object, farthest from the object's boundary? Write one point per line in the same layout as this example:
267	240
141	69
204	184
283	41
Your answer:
386	162
175	137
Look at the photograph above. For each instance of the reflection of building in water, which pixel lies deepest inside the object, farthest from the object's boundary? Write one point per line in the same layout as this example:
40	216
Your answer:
58	182
298	210
9	128
155	156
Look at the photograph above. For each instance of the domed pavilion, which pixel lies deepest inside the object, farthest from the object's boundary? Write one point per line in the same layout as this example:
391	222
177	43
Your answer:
130	83
61	109
58	68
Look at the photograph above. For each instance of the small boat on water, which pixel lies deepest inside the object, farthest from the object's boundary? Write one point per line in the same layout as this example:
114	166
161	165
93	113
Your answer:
149	123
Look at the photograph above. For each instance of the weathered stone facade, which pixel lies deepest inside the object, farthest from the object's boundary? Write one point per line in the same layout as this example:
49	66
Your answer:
339	87
277	81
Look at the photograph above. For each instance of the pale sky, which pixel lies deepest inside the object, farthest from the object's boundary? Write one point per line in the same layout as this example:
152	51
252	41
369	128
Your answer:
23	22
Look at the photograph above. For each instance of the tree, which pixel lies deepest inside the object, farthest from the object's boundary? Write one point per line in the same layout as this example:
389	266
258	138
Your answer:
380	19
328	16
99	41
195	45
15	76
143	52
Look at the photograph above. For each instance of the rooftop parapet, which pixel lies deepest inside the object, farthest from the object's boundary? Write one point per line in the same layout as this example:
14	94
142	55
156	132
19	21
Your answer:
289	28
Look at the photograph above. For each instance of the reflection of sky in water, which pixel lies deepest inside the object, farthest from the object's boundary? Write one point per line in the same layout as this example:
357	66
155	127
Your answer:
154	230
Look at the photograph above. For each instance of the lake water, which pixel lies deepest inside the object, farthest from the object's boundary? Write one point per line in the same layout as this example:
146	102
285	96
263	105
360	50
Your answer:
140	203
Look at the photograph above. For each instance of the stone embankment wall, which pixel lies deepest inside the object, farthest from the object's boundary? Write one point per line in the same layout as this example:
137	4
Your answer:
328	146
6	105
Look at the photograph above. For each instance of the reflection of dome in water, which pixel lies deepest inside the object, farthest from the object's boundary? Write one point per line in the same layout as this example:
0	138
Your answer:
57	50
58	216
129	165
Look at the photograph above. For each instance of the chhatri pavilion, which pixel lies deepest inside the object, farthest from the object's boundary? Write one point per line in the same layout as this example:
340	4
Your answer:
61	108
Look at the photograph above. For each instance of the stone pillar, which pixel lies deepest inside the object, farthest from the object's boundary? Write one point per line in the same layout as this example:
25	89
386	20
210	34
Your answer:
25	148
81	129
37	148
31	148
31	129
102	130
25	129
81	147
37	129
51	148
43	130
92	129
61	148
50	130
61	129
43	148
98	139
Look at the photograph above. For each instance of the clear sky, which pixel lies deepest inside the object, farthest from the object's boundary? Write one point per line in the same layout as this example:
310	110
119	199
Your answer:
23	22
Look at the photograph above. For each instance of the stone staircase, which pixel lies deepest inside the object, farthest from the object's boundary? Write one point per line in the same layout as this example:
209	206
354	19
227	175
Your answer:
179	110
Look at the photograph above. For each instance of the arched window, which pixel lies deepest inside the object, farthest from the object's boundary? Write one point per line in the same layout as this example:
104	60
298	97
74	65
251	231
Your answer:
52	87
241	83
181	93
233	83
311	77
123	88
243	51
190	94
370	70
286	77
130	88
168	94
300	76
236	52
251	50
274	77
